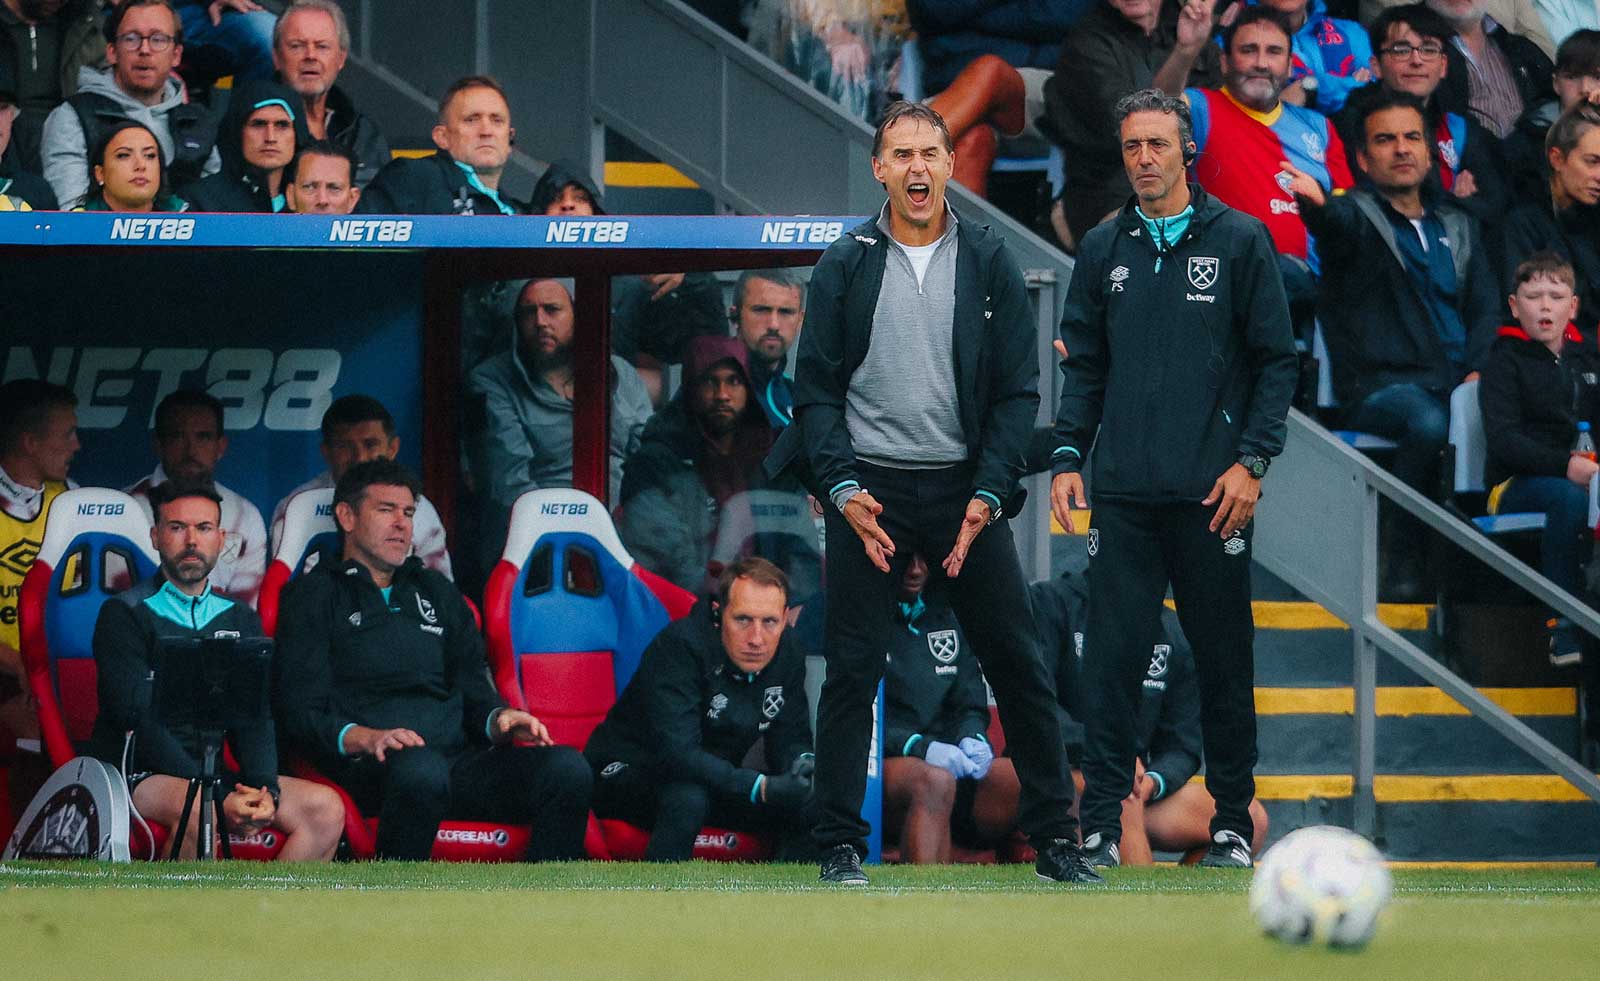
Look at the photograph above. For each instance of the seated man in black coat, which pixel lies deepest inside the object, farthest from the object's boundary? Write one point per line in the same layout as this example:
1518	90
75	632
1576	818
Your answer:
474	137
670	754
381	683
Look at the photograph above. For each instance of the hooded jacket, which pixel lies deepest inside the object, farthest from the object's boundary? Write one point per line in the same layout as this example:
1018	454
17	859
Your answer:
1532	402
1182	361
241	187
1375	318
689	714
675	486
44	60
996	364
1574	233
434	185
186	132
641	324
526	426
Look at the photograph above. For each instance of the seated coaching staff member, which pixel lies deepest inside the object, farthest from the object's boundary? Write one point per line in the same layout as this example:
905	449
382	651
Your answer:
178	604
1181	357
382	684
709	687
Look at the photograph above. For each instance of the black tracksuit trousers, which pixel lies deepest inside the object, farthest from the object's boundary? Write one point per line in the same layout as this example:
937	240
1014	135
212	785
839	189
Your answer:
1135	550
922	512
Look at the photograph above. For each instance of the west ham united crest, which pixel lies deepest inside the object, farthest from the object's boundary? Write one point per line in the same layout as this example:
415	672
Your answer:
943	645
772	701
1094	542
1202	271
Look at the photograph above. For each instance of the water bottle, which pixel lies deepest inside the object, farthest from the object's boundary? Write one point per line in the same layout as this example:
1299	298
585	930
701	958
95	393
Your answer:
1584	445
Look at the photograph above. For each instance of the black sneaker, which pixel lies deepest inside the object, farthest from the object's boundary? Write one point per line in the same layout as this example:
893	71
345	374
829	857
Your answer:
1228	850
842	866
1061	860
1102	852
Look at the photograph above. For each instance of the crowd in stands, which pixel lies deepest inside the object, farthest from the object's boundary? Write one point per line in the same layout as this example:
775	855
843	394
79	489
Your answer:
1415	175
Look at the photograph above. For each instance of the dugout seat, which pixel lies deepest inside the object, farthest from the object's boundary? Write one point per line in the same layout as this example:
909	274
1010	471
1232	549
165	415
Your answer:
96	544
568	614
310	536
1471	447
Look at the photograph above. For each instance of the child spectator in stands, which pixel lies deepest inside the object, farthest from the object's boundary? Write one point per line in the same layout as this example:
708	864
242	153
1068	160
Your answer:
128	174
1540	382
1332	57
1567	220
1576	79
256	140
942	784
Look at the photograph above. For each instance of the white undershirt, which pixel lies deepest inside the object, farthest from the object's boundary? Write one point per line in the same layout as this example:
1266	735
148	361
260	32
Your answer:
920	256
1417	224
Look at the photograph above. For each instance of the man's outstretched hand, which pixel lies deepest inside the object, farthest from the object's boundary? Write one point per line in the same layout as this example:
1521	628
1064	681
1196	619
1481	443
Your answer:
976	519
862	512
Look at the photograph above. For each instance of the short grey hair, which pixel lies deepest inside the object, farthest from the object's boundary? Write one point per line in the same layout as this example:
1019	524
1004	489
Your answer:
778	277
1155	100
329	7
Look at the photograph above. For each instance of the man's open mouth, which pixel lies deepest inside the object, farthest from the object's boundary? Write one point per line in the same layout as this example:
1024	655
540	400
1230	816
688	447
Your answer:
919	192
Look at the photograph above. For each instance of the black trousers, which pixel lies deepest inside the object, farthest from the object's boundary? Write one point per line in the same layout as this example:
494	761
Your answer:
414	789
922	511
675	811
1134	552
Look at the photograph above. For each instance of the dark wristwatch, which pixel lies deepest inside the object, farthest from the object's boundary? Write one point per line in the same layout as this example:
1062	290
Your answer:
1255	465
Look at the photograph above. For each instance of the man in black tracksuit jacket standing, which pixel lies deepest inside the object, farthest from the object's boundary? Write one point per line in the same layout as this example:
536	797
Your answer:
381	682
669	755
1181	357
915	393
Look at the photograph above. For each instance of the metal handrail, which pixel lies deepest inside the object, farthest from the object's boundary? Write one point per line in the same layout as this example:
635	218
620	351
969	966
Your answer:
1292	542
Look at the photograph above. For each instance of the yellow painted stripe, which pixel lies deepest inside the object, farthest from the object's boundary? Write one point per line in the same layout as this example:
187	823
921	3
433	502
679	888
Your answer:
1080	523
1305	615
413	152
1397	788
1401	702
634	174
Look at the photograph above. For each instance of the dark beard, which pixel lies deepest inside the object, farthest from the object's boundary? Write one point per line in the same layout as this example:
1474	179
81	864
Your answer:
540	363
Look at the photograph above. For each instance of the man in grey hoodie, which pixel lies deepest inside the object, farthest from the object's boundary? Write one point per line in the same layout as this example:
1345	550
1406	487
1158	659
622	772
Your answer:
144	43
523	398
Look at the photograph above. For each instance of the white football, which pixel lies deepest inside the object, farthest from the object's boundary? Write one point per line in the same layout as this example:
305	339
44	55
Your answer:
1323	885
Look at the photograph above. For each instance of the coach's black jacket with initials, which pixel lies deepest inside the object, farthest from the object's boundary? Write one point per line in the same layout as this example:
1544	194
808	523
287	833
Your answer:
690	715
1182	370
996	363
933	687
415	662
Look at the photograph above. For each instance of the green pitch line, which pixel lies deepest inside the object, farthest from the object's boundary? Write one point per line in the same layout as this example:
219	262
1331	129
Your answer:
375	921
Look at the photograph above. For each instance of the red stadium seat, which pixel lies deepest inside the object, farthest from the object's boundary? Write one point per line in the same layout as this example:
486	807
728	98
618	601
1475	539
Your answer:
310	535
568	614
96	544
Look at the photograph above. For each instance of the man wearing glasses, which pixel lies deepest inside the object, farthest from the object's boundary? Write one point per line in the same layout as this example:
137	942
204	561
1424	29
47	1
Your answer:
144	44
1410	57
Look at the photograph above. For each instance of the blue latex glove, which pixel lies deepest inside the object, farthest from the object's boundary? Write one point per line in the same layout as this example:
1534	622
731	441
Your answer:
951	758
980	753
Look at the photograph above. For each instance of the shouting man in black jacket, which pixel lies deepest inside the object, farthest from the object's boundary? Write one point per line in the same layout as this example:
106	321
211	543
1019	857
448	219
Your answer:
381	683
915	394
1180	355
669	755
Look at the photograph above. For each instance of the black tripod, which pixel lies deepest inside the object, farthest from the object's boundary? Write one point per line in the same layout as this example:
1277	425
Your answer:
205	786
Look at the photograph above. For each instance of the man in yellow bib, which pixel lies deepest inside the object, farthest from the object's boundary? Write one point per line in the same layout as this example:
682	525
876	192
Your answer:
38	439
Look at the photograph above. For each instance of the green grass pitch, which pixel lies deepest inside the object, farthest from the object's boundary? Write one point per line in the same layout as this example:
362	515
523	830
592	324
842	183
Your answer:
595	920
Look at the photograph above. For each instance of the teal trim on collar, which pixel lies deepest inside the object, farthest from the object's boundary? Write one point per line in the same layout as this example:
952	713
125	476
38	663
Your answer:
910	611
386	591
1166	232
279	202
478	185
194	612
